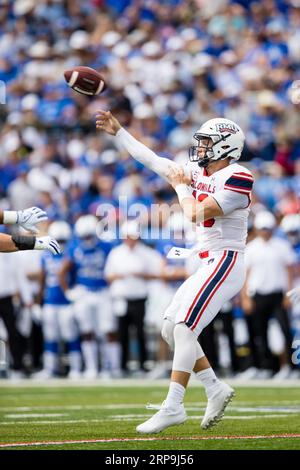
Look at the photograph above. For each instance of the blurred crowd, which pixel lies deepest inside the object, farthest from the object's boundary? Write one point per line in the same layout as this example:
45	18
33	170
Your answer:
169	66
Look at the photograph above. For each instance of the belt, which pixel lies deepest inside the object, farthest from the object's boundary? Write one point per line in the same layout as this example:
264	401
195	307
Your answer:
207	254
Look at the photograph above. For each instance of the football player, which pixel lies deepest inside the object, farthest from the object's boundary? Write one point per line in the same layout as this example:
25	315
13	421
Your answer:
26	219
214	194
290	225
58	321
85	260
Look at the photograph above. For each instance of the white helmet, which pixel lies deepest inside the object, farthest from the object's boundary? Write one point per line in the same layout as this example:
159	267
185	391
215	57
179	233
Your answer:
227	137
290	223
86	226
60	230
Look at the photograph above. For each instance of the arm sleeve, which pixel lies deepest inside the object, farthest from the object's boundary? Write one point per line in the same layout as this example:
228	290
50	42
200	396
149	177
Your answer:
236	192
144	155
231	200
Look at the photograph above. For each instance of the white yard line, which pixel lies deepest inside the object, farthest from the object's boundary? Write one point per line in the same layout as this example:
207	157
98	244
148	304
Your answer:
128	418
120	406
197	406
142	382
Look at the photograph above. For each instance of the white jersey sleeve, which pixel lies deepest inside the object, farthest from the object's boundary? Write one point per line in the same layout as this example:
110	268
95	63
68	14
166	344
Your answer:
229	201
144	155
235	193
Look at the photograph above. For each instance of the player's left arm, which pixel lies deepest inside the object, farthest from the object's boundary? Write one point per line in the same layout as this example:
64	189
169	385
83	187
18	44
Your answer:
197	211
233	196
63	273
194	210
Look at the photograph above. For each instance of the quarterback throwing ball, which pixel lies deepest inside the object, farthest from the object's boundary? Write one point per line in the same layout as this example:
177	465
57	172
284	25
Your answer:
214	192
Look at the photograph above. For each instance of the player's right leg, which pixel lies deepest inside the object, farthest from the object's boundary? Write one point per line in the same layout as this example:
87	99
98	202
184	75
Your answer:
84	314
184	342
70	334
51	338
107	333
216	282
167	331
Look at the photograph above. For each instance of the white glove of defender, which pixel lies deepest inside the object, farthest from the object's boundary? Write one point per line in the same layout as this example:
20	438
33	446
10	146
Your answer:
294	295
28	218
47	243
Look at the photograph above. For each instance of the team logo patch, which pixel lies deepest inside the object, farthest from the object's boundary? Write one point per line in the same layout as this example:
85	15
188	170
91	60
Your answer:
211	260
226	127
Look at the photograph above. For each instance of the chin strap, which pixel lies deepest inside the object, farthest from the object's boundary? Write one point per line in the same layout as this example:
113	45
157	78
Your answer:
206	161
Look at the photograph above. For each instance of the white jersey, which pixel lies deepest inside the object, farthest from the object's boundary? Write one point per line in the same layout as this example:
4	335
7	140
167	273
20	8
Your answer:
221	272
231	188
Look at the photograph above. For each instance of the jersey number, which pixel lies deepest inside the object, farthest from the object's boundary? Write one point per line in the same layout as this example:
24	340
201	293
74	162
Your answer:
200	198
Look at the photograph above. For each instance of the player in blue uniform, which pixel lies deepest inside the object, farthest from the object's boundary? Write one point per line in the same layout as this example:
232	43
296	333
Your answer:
85	260
58	320
290	225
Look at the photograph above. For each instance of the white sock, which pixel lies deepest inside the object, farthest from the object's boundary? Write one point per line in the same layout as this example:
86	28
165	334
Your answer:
209	380
90	354
75	361
113	351
111	356
50	361
175	395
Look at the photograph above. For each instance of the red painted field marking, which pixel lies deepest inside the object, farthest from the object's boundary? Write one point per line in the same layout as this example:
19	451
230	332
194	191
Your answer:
146	439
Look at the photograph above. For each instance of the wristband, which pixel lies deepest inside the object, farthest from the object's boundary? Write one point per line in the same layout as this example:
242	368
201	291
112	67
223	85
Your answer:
10	217
24	243
183	192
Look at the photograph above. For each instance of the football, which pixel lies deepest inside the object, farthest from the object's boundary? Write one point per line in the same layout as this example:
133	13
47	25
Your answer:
85	80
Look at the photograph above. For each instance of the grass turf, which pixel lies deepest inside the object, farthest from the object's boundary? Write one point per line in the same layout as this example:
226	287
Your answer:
42	414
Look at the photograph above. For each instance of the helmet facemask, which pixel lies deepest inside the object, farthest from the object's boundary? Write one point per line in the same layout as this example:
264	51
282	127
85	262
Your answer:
213	151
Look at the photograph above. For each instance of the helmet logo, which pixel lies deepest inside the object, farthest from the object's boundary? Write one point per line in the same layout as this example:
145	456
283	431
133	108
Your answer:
226	127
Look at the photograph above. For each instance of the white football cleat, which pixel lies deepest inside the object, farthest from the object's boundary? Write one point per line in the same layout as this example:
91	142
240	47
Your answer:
90	374
216	406
74	375
163	419
43	374
283	374
248	374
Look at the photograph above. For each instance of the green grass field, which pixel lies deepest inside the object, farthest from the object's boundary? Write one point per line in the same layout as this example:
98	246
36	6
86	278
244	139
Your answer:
52	413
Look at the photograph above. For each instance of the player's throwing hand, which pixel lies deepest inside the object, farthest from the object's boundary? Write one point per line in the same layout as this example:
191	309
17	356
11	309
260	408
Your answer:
107	122
178	176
